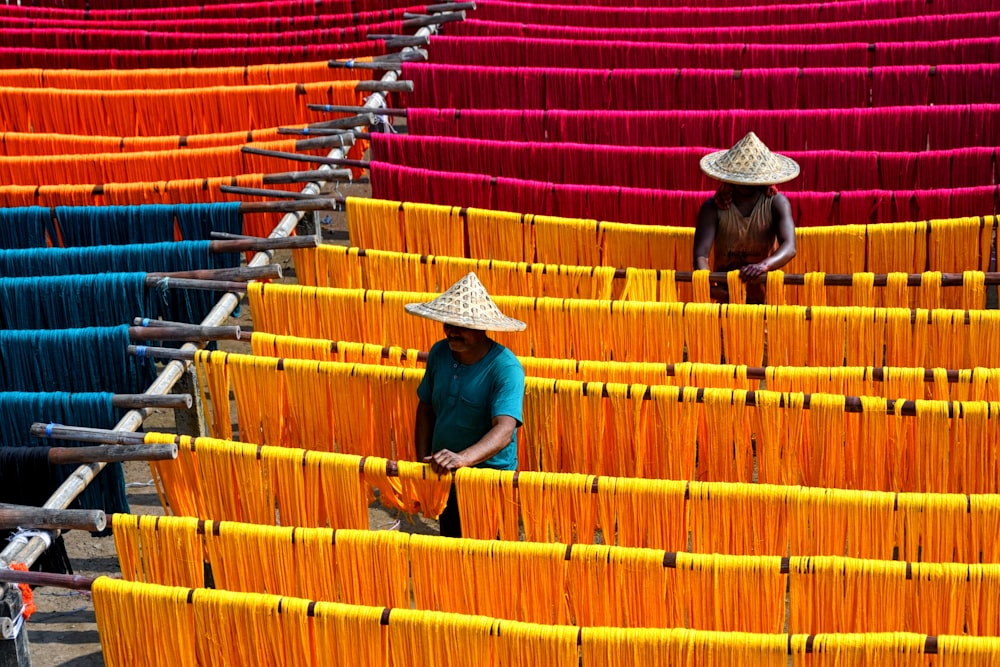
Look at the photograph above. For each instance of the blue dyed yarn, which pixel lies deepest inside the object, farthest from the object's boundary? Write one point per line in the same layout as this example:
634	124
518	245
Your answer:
186	306
50	302
123	225
24	227
63	302
145	257
197	221
72	360
19	410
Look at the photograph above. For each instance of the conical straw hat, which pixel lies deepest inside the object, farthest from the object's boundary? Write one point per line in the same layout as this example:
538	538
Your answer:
466	304
749	162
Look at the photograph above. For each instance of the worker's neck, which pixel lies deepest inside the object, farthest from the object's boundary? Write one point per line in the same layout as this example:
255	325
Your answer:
470	354
745	193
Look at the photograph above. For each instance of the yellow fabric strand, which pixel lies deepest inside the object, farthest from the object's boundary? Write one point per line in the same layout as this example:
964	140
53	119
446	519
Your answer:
775	289
700	287
815	288
863	290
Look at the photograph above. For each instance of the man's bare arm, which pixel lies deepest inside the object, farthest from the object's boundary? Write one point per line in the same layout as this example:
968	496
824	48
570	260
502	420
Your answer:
488	446
704	234
784	228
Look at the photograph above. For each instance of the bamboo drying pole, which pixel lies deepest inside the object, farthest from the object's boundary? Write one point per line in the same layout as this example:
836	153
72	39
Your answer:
320	203
240	273
384	87
359	120
314	176
669	370
450	7
346	108
421	21
829	279
40	518
184	332
317	159
199	285
148	322
164	401
79	480
341	140
386	62
112	453
267	192
397	42
80	583
86	434
319	131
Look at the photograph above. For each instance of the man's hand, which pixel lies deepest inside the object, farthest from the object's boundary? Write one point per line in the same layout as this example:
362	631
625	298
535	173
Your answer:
445	461
751	273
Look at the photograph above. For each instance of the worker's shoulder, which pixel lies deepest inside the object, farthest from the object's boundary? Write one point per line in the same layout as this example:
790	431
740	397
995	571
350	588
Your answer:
503	357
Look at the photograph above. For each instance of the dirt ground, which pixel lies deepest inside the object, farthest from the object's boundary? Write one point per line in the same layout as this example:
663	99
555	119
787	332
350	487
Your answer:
63	632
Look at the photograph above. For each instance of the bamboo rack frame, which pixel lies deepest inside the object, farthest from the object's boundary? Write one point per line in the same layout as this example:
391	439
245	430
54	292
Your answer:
170	375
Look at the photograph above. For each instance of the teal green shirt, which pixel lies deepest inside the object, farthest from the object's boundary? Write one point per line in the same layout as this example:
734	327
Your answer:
465	399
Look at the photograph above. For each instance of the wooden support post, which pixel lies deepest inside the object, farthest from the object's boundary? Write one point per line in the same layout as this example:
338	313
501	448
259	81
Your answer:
13	648
192	420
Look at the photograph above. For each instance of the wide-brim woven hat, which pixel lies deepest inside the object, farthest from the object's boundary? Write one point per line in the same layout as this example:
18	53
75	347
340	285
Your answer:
750	162
466	304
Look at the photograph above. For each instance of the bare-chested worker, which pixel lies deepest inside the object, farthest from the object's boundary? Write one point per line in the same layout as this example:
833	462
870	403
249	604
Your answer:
747	222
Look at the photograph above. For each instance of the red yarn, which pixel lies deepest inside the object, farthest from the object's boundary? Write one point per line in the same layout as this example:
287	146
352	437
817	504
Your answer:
27	596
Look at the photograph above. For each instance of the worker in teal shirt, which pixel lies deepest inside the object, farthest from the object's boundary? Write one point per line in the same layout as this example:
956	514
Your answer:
472	392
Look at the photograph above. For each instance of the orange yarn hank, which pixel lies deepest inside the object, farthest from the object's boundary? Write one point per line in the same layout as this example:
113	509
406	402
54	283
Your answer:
27	596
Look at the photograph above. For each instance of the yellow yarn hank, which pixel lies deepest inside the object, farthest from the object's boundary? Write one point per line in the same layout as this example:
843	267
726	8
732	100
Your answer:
173	560
930	290
739	519
737	288
488	503
863	290
973	291
701	288
815	289
126	611
775	288
705	586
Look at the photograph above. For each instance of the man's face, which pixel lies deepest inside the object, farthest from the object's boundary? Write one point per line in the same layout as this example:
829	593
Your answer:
461	339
